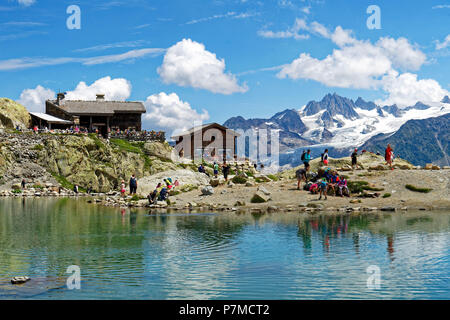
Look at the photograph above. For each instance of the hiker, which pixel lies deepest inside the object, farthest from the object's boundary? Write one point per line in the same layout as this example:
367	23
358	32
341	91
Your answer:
314	188
324	157
306	158
301	176
152	195
226	170
388	153
354	157
163	194
89	190
333	182
323	188
23	184
342	187
201	169
133	184
216	169
75	189
255	165
122	188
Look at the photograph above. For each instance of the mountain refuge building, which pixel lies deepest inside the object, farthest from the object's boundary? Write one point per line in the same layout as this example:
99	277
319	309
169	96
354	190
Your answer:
98	114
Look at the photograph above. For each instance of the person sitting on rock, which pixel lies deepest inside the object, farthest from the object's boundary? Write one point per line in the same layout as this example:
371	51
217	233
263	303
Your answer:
333	182
152	196
343	188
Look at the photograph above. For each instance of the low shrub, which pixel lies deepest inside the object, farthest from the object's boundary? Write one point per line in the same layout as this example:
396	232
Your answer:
386	195
239	180
417	189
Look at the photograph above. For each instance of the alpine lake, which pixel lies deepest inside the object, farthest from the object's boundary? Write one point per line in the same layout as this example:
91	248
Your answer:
130	254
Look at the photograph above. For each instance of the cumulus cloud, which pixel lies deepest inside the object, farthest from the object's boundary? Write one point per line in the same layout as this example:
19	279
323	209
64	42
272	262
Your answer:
114	89
444	44
189	64
405	90
363	65
169	113
34	99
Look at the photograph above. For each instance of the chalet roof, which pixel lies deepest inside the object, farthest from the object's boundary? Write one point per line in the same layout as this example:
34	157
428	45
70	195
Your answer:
80	107
207	125
49	118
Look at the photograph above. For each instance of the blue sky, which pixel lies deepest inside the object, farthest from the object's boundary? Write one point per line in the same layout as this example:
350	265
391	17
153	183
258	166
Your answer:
139	45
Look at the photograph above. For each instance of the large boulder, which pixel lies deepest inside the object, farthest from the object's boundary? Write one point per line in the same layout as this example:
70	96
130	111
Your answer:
207	191
260	197
13	114
184	177
159	150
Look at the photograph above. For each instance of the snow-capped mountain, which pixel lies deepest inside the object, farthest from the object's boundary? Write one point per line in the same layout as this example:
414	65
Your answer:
339	123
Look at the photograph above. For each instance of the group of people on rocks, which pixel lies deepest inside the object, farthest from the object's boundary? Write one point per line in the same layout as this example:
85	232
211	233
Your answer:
216	167
328	181
161	192
324	182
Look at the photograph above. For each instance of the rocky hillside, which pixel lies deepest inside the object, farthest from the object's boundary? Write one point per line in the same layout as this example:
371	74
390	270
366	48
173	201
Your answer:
83	160
418	141
13	114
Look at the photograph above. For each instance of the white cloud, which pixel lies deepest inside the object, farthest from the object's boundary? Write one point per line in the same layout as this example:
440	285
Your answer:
444	44
363	65
189	64
441	6
292	32
114	89
26	3
402	54
123	44
356	64
214	17
306	10
169	113
34	99
319	29
25	63
406	90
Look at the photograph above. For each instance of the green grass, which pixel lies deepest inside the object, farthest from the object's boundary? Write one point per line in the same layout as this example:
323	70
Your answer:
272	177
417	189
239	180
16	191
361	186
38	147
65	183
126	146
97	141
386	195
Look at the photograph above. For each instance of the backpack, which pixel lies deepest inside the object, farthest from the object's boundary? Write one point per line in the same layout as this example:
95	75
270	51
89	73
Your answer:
303	155
321	156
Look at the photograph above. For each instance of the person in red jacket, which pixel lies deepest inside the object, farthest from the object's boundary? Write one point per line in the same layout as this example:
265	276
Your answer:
388	156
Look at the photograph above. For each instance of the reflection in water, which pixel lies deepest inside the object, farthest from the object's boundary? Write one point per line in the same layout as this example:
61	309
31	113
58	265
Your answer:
127	253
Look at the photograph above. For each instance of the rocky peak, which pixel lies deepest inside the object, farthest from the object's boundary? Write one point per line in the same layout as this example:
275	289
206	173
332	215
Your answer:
366	105
335	105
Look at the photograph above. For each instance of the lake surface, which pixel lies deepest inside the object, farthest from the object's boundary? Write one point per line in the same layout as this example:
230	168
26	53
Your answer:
129	254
